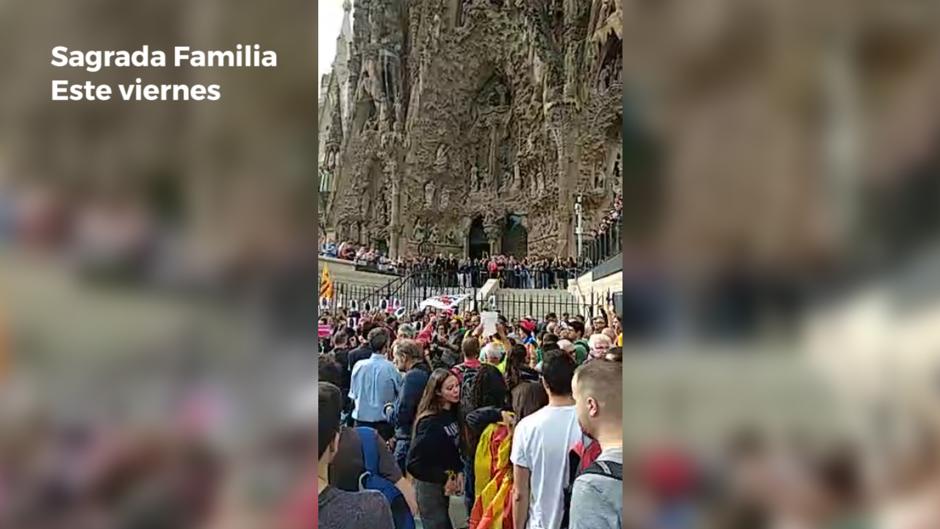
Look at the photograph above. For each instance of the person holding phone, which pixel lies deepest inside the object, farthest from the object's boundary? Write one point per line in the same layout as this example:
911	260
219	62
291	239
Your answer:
434	458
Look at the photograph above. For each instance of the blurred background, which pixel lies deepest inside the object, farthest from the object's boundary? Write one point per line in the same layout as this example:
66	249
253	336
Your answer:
154	269
781	191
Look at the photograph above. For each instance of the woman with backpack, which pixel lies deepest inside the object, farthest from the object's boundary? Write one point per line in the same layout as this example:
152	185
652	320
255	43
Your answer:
364	462
434	459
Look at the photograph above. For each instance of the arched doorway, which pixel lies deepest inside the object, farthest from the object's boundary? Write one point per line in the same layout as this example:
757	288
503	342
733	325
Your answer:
477	245
515	238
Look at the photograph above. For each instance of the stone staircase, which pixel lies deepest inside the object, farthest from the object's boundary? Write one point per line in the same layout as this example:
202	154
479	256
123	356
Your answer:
519	302
343	272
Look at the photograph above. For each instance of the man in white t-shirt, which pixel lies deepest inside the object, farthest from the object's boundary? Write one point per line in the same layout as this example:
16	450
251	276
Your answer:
540	447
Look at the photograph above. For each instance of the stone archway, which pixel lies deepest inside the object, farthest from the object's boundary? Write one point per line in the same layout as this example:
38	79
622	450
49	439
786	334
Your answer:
477	243
515	239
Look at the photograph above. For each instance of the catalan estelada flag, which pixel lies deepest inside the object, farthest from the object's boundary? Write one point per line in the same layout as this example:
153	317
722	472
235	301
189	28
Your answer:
492	506
326	283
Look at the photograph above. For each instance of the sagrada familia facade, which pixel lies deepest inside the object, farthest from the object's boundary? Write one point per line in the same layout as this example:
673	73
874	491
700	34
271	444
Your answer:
471	126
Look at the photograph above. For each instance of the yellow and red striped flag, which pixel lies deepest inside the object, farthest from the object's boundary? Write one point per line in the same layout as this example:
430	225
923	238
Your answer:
326	283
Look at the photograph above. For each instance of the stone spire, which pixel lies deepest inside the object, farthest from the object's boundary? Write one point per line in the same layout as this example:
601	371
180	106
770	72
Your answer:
341	62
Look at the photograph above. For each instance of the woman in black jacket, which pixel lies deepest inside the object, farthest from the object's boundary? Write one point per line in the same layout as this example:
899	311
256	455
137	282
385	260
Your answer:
434	458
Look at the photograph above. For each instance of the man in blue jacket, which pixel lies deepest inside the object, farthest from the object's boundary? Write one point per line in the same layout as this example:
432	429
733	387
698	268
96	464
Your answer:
409	358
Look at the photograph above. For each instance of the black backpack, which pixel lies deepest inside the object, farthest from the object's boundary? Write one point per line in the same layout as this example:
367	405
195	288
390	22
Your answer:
607	469
469	375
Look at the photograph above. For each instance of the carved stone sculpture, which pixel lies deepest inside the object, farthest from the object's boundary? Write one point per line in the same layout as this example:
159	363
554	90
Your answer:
484	98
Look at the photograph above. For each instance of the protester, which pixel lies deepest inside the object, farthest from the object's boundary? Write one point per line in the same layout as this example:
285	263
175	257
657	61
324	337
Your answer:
434	458
375	382
567	346
540	447
471	364
517	369
573	331
340	351
410	359
443	348
407	331
349	465
597	495
548	341
489	397
600	346
339	509
330	370
363	351
494	354
528	398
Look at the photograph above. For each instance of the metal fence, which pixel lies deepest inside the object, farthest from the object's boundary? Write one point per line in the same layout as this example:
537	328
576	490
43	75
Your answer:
520	304
515	305
605	245
523	278
408	292
405	292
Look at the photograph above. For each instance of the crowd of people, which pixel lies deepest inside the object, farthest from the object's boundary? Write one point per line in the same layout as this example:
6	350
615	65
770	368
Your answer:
520	420
531	272
361	255
605	237
528	272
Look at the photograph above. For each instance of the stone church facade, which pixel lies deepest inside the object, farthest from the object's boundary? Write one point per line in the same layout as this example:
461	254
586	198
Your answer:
463	127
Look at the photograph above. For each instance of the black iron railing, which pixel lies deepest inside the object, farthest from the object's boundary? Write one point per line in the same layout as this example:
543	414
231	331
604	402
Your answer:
604	245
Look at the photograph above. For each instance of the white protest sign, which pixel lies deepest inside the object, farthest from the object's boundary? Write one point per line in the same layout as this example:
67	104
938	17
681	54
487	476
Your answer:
489	319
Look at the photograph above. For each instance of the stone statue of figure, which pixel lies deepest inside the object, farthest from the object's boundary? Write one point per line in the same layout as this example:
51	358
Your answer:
440	160
475	178
419	232
429	194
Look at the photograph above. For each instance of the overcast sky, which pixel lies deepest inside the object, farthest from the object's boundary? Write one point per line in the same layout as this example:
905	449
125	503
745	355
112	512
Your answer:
329	21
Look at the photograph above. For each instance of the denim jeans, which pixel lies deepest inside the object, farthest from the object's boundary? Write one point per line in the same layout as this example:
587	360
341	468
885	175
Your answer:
468	484
401	453
433	505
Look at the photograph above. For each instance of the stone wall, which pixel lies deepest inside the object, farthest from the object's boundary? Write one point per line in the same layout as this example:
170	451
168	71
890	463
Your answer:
465	109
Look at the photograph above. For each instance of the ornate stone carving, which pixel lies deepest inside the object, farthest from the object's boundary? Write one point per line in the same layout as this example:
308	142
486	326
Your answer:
440	159
473	117
429	194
